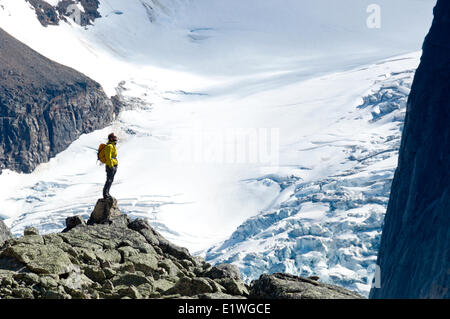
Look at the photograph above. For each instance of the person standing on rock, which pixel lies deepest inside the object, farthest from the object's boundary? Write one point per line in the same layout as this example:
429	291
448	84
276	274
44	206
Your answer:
108	155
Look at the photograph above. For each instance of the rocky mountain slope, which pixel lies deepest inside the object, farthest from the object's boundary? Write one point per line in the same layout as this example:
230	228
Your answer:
414	255
114	257
44	106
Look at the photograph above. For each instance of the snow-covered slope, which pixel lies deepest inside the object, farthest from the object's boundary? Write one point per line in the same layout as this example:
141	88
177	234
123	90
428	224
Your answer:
222	40
201	76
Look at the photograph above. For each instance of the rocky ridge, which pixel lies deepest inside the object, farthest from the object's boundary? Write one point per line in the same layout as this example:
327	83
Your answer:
44	106
114	257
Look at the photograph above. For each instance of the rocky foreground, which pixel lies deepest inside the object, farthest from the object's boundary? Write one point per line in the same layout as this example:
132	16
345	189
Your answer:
111	256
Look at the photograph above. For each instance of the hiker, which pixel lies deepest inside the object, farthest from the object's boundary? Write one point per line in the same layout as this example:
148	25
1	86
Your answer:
110	160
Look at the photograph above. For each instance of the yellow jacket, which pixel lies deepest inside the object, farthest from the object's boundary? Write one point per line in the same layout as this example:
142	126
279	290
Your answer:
111	155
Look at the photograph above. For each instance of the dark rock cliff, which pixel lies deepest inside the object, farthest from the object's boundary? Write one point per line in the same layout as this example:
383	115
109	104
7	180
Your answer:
414	257
44	106
114	257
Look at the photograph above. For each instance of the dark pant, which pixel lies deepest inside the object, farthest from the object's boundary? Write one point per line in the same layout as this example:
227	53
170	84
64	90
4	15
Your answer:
110	172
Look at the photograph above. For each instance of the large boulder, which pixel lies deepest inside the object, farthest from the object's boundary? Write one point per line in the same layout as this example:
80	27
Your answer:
234	286
152	236
192	286
72	222
41	258
30	231
224	271
285	286
105	210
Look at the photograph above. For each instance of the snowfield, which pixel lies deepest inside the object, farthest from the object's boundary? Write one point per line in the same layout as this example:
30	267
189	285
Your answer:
253	133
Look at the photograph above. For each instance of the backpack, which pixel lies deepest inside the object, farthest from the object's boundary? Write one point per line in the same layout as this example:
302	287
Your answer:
101	153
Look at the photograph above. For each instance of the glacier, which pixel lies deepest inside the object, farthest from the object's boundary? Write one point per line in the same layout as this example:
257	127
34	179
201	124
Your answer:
329	225
334	89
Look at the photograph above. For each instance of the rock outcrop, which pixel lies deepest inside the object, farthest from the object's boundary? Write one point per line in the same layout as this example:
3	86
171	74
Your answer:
5	234
119	258
44	106
104	211
285	286
414	255
64	9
